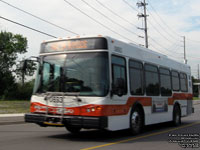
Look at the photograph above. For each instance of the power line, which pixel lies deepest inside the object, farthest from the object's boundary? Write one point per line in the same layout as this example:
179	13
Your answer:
143	4
130	6
162	52
164	23
193	40
28	27
157	49
161	26
111	20
198	58
97	21
164	48
115	13
38	17
144	15
163	36
163	20
176	47
154	27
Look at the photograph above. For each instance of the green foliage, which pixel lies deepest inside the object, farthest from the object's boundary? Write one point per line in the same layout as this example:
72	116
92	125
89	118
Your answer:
29	70
196	98
7	81
194	80
11	45
19	91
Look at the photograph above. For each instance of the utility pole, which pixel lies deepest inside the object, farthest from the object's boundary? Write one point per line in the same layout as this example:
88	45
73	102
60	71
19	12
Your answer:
144	15
185	60
198	73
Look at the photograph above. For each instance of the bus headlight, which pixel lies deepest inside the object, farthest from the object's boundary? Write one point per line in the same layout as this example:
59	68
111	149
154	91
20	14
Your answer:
93	109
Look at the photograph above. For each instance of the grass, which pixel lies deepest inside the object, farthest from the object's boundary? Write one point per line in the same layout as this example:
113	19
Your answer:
14	106
196	98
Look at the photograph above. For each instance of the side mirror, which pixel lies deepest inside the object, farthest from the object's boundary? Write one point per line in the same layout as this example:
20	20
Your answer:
23	65
26	63
118	87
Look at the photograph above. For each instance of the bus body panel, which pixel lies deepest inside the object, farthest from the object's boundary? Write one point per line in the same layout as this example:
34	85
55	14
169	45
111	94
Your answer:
117	109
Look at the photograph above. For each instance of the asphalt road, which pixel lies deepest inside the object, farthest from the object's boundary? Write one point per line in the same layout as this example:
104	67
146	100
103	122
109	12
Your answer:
155	137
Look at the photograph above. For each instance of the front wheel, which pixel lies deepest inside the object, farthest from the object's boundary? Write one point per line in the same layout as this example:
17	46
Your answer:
72	129
136	121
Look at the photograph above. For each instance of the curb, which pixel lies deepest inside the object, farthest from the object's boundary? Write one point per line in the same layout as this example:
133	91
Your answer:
10	123
196	102
8	119
11	115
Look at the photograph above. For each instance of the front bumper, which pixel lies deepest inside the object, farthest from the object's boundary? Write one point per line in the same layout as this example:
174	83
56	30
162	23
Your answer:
80	121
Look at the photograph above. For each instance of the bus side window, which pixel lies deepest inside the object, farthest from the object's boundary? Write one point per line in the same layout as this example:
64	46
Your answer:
136	77
165	82
175	81
183	81
119	75
152	80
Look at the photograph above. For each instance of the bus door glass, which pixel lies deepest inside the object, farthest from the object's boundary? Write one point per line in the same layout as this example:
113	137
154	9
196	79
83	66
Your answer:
119	80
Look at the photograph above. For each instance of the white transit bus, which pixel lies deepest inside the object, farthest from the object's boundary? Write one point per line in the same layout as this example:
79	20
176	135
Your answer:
100	82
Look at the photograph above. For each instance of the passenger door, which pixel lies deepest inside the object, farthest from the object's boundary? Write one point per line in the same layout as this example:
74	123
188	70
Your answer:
119	78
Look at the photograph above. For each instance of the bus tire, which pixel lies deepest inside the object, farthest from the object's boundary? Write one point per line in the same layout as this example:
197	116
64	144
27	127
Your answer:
176	115
73	129
136	121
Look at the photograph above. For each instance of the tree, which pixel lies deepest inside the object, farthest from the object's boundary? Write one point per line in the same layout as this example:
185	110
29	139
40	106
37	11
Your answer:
28	71
194	80
11	45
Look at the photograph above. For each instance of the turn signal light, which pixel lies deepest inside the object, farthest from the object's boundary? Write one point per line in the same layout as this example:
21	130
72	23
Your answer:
93	109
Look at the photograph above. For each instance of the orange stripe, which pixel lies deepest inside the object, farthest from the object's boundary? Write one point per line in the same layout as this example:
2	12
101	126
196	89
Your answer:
100	110
111	110
179	96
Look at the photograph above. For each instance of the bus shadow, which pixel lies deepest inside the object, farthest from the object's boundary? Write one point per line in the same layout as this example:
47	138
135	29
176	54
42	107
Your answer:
113	136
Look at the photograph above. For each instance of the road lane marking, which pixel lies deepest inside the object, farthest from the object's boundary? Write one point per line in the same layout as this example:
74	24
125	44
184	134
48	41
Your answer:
140	137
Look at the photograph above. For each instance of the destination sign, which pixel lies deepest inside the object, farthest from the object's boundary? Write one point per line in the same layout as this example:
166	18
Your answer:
74	44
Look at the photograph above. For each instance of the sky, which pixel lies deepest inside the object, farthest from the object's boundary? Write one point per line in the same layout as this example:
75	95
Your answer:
168	21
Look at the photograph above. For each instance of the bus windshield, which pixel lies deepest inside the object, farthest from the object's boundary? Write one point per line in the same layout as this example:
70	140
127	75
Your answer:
83	73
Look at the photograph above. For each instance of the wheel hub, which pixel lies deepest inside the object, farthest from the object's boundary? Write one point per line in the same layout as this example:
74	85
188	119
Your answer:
135	120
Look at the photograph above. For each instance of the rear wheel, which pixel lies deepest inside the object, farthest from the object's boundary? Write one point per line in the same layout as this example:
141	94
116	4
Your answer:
73	129
136	121
176	116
